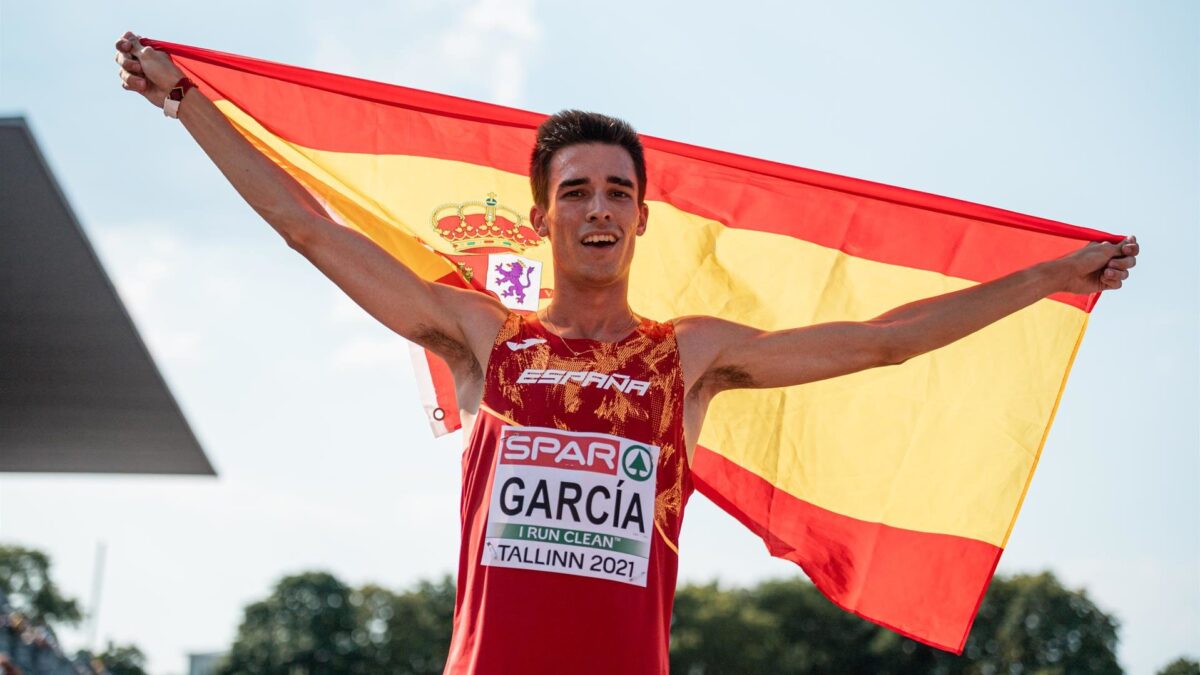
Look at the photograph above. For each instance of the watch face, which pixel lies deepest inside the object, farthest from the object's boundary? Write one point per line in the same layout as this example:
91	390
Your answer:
180	88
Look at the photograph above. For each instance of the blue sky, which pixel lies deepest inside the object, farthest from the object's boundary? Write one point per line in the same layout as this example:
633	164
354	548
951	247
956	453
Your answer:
1083	112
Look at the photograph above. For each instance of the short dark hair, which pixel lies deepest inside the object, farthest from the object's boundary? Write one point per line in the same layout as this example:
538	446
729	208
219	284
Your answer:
573	127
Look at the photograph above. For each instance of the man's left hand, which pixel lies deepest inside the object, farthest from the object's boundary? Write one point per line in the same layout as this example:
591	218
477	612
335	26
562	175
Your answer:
1098	266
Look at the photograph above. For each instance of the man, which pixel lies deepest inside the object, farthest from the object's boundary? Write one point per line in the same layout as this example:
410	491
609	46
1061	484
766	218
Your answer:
581	420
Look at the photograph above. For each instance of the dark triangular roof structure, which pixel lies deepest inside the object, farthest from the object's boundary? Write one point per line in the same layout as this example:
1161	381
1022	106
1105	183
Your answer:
79	391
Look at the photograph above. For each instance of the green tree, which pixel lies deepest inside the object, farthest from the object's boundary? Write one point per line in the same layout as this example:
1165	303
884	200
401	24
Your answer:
721	631
1033	622
1027	624
1181	666
413	628
313	623
374	608
306	626
123	660
25	579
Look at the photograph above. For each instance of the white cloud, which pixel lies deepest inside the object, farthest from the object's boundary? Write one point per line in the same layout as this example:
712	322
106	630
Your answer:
483	50
510	32
222	290
144	262
370	345
345	311
370	353
505	18
141	260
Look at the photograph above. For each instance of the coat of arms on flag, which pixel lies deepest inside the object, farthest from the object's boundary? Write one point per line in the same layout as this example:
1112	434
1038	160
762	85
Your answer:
487	238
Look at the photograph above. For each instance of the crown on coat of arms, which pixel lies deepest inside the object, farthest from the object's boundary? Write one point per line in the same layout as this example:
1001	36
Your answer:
474	226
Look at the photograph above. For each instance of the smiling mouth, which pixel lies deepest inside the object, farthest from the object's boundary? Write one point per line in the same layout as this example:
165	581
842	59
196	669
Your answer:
600	240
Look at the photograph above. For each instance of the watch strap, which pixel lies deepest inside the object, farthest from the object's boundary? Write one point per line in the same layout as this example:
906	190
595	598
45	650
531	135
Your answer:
175	97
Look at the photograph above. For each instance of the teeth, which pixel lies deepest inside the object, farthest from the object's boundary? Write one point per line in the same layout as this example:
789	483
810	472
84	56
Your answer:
598	238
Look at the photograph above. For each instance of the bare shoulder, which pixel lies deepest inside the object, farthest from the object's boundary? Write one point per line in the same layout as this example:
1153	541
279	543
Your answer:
703	342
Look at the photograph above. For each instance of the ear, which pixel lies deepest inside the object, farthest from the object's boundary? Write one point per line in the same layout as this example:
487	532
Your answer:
643	218
537	218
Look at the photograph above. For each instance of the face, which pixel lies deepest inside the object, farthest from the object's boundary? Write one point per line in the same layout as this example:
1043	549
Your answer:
593	215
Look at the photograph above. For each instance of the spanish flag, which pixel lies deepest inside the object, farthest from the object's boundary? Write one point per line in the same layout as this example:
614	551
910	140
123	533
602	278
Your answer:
894	489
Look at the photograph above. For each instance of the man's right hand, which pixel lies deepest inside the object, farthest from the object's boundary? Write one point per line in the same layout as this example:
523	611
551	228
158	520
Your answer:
145	70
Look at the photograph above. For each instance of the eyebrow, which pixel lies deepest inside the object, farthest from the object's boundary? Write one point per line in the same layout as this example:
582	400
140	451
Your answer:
616	180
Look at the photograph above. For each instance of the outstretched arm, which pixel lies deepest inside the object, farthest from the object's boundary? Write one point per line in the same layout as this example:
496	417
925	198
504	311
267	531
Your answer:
720	355
456	324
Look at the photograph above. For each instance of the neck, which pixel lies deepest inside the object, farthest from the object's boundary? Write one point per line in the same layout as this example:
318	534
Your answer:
591	313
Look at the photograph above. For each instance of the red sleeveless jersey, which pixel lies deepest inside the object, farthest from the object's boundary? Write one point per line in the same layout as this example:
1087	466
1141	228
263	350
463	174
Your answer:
574	483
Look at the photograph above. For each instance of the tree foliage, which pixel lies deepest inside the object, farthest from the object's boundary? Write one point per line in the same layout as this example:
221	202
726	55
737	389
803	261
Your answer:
123	660
1181	666
313	623
410	631
306	626
1027	624
25	580
1034	622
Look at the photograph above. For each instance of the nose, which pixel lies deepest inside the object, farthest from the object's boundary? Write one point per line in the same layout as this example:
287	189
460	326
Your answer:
599	210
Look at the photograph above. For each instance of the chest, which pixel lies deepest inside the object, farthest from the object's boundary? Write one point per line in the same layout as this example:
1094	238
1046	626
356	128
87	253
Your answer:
632	389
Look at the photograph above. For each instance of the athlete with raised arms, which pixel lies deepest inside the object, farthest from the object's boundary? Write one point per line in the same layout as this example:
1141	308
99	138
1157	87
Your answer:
580	421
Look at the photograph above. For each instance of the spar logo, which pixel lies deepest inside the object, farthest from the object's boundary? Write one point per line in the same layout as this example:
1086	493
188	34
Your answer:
542	447
637	462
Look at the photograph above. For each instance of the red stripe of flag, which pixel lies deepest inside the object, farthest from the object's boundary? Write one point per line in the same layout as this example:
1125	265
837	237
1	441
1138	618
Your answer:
929	583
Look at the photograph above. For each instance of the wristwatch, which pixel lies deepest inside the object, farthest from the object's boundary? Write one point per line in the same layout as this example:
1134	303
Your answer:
175	96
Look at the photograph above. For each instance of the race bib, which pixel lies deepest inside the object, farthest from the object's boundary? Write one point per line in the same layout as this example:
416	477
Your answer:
572	503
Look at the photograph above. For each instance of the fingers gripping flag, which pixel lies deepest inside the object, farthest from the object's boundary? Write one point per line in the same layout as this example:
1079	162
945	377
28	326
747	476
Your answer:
894	489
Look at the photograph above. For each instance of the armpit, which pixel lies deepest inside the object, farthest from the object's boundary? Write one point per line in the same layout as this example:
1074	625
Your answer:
726	377
456	354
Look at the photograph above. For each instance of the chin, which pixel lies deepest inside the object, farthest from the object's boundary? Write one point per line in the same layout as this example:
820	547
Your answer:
600	277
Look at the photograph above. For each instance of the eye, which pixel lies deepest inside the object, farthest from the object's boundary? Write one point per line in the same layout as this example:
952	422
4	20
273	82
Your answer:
619	193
